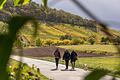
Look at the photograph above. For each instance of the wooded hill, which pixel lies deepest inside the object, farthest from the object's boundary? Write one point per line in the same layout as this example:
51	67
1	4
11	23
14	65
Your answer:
49	15
55	26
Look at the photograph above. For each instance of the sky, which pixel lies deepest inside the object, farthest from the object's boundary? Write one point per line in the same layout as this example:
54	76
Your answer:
106	10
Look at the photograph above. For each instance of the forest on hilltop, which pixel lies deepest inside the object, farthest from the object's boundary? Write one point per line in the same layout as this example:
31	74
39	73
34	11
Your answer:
49	15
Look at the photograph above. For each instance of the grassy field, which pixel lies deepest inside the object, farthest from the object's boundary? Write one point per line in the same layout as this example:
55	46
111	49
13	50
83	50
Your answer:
27	73
95	48
111	64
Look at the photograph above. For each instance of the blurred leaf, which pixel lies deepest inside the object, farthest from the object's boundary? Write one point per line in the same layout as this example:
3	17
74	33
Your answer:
96	74
26	1
44	3
7	40
17	2
2	2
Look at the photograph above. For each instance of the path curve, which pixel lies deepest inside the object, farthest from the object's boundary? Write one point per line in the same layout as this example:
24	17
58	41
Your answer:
46	66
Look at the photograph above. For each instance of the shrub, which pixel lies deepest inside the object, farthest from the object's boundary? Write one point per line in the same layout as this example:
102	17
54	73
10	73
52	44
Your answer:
48	42
67	42
91	40
63	37
105	40
77	41
117	40
38	42
58	42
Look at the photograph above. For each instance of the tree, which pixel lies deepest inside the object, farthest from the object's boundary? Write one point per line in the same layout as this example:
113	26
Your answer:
63	37
91	40
104	40
38	42
117	40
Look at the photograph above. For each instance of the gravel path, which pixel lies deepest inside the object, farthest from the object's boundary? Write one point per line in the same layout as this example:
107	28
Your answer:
47	67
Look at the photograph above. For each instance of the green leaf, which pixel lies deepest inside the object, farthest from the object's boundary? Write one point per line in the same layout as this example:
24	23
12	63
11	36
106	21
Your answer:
7	41
26	2
2	2
17	2
96	74
44	3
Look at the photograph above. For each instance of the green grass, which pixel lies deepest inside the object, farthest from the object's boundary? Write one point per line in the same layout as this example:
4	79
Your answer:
13	68
96	48
108	63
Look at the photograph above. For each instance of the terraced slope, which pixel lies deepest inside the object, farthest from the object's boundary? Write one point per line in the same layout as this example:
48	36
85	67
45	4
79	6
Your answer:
55	31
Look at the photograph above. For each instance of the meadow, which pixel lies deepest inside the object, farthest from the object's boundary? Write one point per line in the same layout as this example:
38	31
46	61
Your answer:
110	49
109	63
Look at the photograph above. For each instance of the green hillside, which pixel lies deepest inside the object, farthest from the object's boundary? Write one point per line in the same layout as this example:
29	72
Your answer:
51	33
55	31
56	27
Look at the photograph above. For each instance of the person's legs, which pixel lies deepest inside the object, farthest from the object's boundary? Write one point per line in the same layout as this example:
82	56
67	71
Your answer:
73	64
66	62
56	60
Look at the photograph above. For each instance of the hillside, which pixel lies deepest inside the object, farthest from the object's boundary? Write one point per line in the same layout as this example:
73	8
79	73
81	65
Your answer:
48	15
55	26
55	31
51	33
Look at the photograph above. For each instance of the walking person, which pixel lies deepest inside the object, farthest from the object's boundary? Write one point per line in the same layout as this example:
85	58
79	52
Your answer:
66	57
57	57
73	58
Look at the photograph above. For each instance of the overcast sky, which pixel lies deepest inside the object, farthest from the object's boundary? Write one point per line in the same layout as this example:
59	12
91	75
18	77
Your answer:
107	10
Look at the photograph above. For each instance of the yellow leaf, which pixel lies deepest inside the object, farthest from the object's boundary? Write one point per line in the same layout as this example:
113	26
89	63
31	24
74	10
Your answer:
2	2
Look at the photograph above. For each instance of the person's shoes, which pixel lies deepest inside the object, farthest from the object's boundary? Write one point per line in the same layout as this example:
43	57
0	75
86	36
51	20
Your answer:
56	68
66	68
72	69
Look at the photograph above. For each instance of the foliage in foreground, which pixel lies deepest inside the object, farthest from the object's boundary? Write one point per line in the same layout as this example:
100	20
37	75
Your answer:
27	73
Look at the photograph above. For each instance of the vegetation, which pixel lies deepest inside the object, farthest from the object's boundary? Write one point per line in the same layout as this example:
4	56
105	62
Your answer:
49	15
105	40
60	34
100	49
63	37
15	23
26	73
108	63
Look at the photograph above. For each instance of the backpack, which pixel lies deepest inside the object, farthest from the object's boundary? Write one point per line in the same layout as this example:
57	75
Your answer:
74	55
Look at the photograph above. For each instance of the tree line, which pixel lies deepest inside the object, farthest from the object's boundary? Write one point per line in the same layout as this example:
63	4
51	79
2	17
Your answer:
48	15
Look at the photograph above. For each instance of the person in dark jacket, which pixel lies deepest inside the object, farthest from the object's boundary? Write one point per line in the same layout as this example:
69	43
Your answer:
66	57
57	57
73	58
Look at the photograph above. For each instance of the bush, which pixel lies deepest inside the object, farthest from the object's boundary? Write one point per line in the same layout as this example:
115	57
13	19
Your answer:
38	42
91	41
117	40
58	42
77	41
67	42
48	42
104	40
63	37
